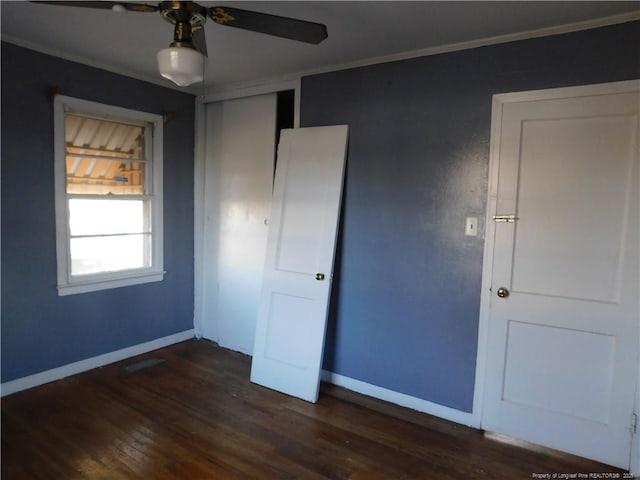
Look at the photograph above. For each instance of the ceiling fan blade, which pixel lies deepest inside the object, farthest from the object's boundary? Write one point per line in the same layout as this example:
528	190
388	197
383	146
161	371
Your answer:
291	28
199	41
132	7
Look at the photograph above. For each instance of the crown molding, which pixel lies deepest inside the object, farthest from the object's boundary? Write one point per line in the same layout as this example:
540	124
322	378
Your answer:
232	89
93	63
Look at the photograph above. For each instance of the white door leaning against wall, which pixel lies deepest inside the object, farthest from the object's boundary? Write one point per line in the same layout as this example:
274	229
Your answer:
292	317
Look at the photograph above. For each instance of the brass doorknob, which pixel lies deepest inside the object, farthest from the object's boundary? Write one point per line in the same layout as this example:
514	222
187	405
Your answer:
319	276
502	292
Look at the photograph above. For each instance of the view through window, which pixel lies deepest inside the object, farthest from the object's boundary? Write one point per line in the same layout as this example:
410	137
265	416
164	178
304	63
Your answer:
108	214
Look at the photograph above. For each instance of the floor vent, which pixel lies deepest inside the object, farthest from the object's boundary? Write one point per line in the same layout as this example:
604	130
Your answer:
149	362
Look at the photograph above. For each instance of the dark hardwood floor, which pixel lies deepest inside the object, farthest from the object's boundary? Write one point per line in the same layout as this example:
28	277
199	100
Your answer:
197	416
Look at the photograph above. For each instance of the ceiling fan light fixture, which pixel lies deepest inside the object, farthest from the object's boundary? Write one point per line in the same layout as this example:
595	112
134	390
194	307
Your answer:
182	65
183	61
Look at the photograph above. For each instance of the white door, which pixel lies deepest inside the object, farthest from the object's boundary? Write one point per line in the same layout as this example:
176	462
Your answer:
238	189
562	343
244	193
292	315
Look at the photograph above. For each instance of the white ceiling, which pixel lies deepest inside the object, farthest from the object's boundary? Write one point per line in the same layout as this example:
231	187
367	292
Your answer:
358	32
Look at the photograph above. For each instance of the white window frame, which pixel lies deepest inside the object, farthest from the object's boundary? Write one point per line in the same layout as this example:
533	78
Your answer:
73	284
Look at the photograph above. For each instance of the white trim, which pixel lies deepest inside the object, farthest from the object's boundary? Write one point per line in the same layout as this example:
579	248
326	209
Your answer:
568	92
498	102
487	262
262	88
54	374
425	52
123	281
297	102
208	255
198	215
401	399
634	462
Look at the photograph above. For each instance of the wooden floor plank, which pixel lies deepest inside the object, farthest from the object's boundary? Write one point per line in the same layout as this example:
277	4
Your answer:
196	416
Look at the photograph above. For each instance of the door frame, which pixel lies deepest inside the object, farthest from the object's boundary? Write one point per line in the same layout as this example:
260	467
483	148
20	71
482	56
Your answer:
498	102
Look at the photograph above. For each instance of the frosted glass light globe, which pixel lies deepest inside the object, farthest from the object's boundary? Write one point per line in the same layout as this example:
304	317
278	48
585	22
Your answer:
181	65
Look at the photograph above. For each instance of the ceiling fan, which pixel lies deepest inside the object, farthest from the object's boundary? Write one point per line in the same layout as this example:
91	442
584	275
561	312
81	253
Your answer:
182	62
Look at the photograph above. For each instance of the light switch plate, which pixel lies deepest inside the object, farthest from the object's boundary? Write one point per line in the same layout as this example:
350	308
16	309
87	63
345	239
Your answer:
471	226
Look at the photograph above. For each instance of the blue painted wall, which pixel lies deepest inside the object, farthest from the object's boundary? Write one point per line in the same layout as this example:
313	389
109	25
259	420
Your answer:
406	296
41	330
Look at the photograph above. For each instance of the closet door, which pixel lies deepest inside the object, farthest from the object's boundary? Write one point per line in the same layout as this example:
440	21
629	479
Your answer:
240	152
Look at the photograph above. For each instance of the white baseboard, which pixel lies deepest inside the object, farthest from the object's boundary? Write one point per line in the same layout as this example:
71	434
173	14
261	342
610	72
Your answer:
47	376
401	399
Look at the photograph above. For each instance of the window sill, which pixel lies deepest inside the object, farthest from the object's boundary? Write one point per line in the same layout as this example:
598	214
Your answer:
105	284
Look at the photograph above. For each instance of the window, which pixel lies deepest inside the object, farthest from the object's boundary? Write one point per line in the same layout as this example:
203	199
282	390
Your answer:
108	173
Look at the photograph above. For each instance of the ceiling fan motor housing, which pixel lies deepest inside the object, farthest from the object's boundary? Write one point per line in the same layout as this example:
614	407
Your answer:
187	18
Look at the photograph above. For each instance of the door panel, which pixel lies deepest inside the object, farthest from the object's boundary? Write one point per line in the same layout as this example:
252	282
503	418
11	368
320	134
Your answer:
245	200
556	175
238	200
555	381
303	213
302	234
562	349
279	346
